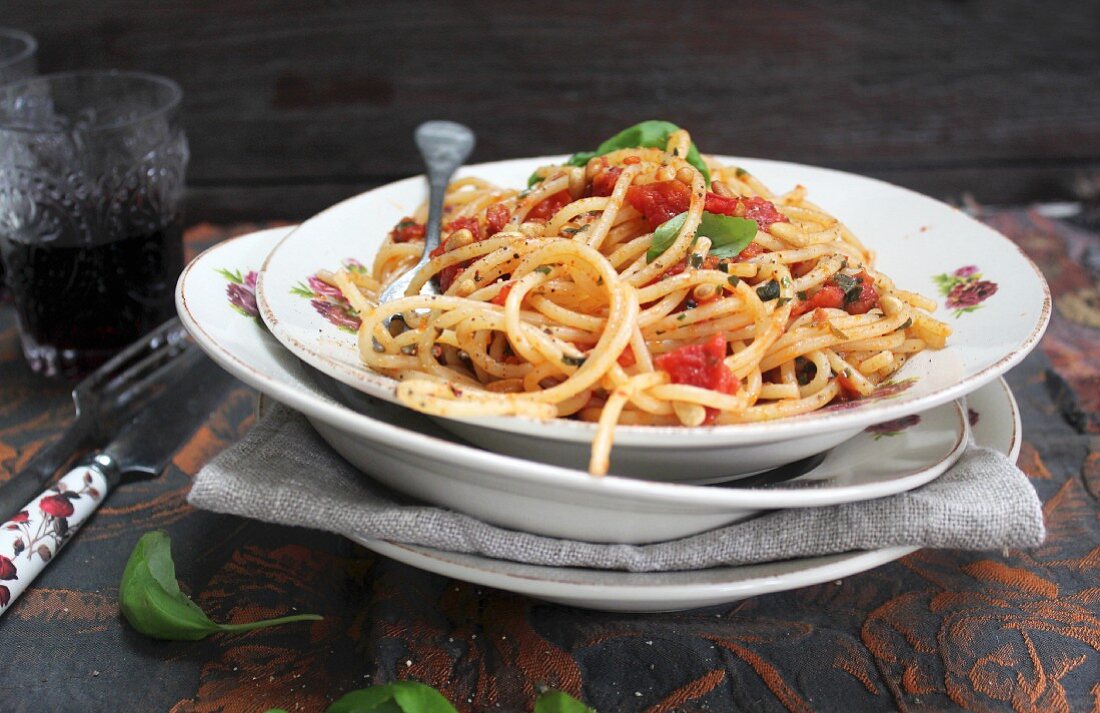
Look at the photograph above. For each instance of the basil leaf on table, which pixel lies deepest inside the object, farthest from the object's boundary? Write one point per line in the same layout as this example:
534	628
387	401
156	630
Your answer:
651	134
396	697
558	702
151	600
728	235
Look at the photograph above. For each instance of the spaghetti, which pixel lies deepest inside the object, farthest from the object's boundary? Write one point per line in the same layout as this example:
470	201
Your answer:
635	286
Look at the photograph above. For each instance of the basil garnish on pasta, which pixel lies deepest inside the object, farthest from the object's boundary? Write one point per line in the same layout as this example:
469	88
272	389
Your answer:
651	134
728	235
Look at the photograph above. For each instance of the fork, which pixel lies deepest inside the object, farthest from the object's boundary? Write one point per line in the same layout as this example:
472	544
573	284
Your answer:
444	146
103	402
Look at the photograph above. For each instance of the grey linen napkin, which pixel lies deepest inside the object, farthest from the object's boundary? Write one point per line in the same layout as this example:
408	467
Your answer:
282	472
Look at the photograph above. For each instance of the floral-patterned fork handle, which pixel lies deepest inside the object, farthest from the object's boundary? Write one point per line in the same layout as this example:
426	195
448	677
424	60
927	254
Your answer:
30	539
193	387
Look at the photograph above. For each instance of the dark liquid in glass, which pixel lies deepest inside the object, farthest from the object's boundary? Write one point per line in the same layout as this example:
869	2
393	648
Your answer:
87	302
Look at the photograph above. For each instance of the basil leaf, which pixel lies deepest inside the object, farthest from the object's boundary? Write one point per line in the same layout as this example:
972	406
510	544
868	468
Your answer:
846	283
728	235
151	600
396	697
651	134
558	702
768	291
581	158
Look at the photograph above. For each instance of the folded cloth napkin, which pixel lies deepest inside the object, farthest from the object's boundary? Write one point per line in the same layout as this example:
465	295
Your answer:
283	472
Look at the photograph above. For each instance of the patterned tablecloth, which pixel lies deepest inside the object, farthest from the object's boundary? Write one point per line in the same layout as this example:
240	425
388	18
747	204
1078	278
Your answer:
1016	630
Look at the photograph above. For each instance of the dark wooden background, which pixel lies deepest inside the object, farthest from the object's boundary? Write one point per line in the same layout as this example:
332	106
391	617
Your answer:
291	106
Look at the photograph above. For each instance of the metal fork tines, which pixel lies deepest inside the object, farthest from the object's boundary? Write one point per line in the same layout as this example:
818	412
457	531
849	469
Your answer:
104	400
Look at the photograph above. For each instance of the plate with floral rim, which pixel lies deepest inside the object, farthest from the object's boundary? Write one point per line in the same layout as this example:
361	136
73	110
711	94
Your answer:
991	294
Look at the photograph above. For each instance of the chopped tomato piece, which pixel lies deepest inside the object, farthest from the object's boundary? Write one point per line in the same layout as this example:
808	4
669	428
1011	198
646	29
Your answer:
711	262
627	357
545	209
723	205
660	200
867	298
762	211
603	182
751	250
829	296
447	275
501	297
407	229
701	365
496	217
458	224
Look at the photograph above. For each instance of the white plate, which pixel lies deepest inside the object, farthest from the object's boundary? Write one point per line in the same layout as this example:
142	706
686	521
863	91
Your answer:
412	454
915	238
638	592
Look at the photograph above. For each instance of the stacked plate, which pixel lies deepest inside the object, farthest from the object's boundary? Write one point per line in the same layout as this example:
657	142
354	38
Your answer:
253	304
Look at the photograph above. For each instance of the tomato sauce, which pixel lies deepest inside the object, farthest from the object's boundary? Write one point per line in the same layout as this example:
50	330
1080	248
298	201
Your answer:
496	217
545	209
831	295
662	200
501	297
407	230
701	365
603	182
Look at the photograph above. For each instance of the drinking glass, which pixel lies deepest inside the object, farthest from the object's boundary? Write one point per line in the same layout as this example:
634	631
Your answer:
18	60
18	55
91	185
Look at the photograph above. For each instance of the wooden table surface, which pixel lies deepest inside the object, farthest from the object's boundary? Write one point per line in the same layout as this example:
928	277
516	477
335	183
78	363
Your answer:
939	629
292	106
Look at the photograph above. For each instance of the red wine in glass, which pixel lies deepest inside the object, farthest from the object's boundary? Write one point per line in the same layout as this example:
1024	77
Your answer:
78	303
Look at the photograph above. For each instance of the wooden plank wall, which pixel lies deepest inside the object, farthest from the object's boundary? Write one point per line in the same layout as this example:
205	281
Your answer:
291	106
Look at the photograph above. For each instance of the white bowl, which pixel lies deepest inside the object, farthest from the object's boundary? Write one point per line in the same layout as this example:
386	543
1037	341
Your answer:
915	237
412	454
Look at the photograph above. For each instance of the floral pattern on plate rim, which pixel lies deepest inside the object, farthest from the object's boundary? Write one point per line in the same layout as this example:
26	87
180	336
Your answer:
329	301
964	289
885	391
893	427
241	292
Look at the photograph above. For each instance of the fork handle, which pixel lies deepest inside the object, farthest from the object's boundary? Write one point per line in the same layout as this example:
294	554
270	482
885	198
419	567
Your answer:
32	538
